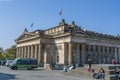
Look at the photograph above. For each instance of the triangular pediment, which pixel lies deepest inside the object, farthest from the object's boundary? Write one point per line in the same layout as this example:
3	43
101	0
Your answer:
25	36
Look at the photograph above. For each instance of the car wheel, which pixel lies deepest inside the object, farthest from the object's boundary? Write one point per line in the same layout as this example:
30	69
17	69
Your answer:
12	68
15	68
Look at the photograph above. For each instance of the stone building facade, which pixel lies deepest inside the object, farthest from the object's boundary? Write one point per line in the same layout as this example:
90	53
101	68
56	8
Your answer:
67	44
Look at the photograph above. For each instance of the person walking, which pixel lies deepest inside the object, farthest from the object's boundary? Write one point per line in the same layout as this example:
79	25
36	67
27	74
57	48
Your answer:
89	63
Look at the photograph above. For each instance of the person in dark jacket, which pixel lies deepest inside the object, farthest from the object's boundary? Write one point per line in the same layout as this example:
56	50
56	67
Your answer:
117	73
89	63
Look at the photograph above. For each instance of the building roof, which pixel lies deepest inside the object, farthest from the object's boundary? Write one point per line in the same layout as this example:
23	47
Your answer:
72	28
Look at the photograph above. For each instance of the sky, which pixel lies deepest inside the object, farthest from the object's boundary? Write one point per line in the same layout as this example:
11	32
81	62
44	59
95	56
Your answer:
101	16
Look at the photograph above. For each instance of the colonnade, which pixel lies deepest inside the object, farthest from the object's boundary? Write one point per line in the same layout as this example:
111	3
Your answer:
30	51
74	53
81	52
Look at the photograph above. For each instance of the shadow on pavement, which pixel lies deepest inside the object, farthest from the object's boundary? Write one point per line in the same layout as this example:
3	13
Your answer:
4	76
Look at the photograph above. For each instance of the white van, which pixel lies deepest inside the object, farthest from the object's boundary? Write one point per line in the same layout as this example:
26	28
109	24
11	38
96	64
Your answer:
9	62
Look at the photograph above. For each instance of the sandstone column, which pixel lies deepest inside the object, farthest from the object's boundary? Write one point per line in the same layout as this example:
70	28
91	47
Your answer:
108	57
113	56
36	51
103	54
65	54
119	53
116	56
89	52
28	51
22	52
99	53
70	54
83	54
31	51
78	53
17	52
96	51
94	54
25	56
39	53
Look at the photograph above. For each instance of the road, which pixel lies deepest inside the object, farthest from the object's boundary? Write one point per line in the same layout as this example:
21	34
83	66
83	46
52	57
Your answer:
37	74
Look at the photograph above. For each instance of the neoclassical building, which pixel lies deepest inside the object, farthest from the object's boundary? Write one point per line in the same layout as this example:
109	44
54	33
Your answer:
67	44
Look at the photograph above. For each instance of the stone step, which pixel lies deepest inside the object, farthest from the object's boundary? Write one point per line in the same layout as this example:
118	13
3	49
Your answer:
109	71
111	77
89	75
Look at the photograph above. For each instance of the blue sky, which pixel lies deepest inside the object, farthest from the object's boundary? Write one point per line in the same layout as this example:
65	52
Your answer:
102	16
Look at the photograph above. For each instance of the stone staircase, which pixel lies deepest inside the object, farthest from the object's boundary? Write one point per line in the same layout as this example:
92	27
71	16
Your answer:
82	71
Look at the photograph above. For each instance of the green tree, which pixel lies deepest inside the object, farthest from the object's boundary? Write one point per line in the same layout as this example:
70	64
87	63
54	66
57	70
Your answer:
10	53
1	55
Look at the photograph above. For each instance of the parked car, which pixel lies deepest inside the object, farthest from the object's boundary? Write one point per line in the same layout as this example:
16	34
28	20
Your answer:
3	62
9	62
